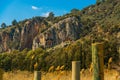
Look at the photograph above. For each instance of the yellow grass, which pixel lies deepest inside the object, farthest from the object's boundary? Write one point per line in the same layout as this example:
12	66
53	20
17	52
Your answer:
18	75
60	75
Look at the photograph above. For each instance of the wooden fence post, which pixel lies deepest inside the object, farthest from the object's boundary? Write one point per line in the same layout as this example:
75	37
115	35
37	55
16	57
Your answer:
75	70
98	62
119	52
1	74
37	75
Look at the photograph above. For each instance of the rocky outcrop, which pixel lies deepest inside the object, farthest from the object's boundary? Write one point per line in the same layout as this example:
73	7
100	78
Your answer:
65	30
34	34
20	37
29	31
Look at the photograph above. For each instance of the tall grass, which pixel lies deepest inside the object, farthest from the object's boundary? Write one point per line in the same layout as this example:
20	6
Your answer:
61	75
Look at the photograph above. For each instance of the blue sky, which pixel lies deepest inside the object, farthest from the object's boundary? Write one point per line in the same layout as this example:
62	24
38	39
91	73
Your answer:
22	9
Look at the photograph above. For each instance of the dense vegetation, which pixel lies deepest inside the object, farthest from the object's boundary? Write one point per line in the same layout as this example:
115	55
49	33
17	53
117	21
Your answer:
80	50
100	23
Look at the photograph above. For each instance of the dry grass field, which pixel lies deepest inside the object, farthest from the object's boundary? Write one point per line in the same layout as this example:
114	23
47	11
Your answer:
61	75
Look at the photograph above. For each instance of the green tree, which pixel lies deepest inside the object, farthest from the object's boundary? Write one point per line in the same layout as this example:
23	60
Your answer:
3	25
14	22
75	10
51	16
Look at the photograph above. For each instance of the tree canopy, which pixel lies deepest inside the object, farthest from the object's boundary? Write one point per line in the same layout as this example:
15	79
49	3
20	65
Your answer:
3	25
14	22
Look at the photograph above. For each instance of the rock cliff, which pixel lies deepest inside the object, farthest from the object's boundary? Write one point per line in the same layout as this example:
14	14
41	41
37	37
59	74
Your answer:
34	34
65	30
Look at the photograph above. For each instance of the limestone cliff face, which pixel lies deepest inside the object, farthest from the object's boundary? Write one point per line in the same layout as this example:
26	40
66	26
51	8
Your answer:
20	37
4	37
34	34
65	30
29	31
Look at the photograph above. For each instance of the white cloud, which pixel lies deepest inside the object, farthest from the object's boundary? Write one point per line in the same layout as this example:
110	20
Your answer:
35	7
45	14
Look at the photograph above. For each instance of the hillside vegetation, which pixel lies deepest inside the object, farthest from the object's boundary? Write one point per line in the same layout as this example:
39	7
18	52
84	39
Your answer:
56	41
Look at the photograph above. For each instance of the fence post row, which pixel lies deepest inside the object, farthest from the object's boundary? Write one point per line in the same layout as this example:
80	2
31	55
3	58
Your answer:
75	70
98	62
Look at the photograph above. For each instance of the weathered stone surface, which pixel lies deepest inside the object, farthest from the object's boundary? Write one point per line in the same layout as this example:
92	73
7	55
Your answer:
35	34
65	30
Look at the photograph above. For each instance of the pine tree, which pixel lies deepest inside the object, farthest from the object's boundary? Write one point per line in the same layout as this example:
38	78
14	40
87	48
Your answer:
14	22
3	25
